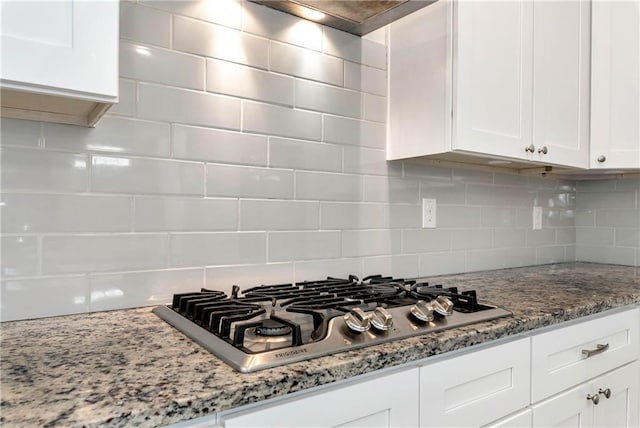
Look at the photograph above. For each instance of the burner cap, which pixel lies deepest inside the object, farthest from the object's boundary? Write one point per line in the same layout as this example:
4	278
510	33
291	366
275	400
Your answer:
272	328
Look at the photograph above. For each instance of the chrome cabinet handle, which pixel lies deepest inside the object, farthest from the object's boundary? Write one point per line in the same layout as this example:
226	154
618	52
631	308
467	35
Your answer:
543	150
605	392
601	158
599	350
594	398
530	148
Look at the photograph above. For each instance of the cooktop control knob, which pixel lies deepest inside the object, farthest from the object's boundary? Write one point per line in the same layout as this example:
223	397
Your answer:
442	306
357	320
422	311
381	319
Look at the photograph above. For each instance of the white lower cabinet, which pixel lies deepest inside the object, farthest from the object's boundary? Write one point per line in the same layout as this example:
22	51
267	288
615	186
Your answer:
521	419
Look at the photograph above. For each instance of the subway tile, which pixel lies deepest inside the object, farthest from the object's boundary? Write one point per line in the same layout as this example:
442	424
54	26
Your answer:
280	121
540	237
127	99
375	108
506	179
369	161
404	216
327	99
215	41
43	297
114	134
481	194
628	237
616	217
225	277
557	218
524	217
358	243
161	66
391	189
570	253
145	25
43	213
188	107
365	79
205	144
223	12
555	199
246	182
352	216
328	187
321	269
596	185
354	48
628	184
457	216
413	168
289	246
566	236
224	248
425	240
378	36
606	200
594	236
227	78
398	266
19	256
472	176
102	253
606	254
298	154
135	289
548	182
146	176
354	132
442	263
306	63
374	54
283	27
550	254
443	192
15	132
479	260
509	238
42	170
498	217
184	214
278	215
468	239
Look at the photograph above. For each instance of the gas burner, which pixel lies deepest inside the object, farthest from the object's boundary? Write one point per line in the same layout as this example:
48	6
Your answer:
272	325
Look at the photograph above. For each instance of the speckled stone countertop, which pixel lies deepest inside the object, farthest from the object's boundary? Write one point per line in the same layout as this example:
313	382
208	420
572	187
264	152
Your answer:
129	368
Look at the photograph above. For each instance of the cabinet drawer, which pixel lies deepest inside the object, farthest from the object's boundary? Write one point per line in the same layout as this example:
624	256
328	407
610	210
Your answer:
477	388
559	359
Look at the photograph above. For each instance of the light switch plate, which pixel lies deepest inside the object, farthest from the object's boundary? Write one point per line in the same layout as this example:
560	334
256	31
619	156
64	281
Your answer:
428	213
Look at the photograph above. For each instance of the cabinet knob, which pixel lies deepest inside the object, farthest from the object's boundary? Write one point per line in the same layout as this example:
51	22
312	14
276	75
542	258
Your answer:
605	392
530	148
594	398
602	158
543	150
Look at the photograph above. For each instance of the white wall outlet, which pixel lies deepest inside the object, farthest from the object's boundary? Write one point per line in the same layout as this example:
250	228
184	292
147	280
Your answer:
537	218
428	213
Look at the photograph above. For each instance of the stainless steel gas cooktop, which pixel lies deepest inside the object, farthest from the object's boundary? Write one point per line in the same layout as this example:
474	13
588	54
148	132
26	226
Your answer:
272	325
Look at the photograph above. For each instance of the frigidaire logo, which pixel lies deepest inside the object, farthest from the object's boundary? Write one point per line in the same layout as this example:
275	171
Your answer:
291	353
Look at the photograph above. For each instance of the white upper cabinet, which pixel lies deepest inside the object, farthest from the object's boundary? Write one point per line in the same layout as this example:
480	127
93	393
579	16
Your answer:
615	89
514	76
59	59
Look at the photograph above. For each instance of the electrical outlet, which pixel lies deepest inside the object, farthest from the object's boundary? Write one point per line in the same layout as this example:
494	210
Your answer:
537	218
428	213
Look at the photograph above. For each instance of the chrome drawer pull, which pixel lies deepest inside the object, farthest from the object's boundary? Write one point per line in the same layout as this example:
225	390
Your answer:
599	350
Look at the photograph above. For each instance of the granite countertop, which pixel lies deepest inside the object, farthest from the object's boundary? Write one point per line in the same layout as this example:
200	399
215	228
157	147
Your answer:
129	368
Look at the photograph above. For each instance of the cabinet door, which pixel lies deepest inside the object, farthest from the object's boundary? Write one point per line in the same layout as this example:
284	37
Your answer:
493	43
388	401
521	419
61	47
621	408
569	409
561	52
615	85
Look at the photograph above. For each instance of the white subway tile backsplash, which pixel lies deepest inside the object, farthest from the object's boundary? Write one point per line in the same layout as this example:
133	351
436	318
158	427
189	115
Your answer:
466	239
458	216
15	132
585	217
358	243
390	189
159	65
114	135
511	238
103	253
375	108
594	236
606	254
399	266
42	170
558	218
188	107
306	64
442	263
425	240
337	268
365	79
499	217
278	215
413	168
184	214
246	182
628	237
404	216
354	132
134	289
369	161
224	248
327	99
227	78
223	12
27	298
615	217
19	256
291	246
46	213
550	255
127	99
225	277
298	154
352	216
354	48
280	121
144	24
146	176
443	191
328	187
374	53
206	144
215	41
608	199
540	237
481	194
566	235
472	176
